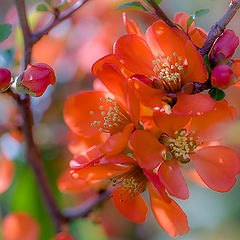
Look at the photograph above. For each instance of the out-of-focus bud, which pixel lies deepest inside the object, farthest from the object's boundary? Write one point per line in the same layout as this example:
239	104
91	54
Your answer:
5	78
35	79
224	47
20	226
222	76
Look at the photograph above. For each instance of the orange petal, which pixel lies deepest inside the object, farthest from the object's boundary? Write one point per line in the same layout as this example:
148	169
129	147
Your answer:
98	172
147	149
89	157
131	25
154	179
7	169
110	59
193	105
169	215
117	142
148	96
236	71
20	226
134	210
62	236
192	175
181	19
212	126
114	81
79	144
166	40
77	112
198	36
169	123
171	177
119	159
67	184
135	54
217	167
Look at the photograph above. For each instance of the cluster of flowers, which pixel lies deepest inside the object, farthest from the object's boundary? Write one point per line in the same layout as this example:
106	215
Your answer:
145	124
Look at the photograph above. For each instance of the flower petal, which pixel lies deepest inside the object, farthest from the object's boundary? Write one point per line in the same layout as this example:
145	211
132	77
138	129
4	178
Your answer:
193	105
135	54
181	19
198	36
212	126
131	25
134	210
148	96
117	142
169	215
171	177
169	123
147	149
77	112
236	71
217	167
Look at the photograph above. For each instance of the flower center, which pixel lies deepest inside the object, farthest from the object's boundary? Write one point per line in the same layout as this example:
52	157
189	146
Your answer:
170	73
129	184
113	118
183	145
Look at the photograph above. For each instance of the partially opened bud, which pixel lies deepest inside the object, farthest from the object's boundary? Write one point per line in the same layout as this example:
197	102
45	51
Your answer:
5	78
20	226
35	79
222	76
62	236
224	47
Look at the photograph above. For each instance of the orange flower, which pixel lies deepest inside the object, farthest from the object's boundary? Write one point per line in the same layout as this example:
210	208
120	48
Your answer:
129	181
188	139
163	62
91	113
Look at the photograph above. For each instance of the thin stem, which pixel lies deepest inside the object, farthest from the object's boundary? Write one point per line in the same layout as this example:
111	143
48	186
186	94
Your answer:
160	13
21	9
85	208
218	28
58	19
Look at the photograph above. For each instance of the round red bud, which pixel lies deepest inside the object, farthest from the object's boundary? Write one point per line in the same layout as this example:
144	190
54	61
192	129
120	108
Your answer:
222	76
35	79
5	78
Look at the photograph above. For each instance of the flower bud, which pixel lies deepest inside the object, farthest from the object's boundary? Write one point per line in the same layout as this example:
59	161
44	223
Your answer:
5	78
224	47
222	76
35	79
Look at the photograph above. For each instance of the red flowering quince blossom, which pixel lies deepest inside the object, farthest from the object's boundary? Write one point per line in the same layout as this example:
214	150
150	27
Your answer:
129	181
5	78
188	139
163	62
35	79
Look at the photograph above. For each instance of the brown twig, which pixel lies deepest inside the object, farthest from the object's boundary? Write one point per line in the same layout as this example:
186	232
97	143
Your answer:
160	13
218	28
85	208
58	18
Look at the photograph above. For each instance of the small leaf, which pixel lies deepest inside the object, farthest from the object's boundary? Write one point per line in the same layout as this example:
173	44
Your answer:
5	31
135	4
217	94
180	27
42	8
195	16
207	64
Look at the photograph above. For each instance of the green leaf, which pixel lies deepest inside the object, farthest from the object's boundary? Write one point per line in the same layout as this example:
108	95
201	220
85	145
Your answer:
5	31
217	94
134	4
207	64
195	16
42	8
180	27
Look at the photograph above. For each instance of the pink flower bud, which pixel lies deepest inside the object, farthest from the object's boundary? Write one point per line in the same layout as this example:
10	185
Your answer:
5	78
35	79
222	76
224	47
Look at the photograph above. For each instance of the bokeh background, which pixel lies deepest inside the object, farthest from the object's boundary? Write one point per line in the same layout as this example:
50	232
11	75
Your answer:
70	49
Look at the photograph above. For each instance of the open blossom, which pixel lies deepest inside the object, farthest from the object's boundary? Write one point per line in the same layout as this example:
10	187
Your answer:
163	62
129	181
36	78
